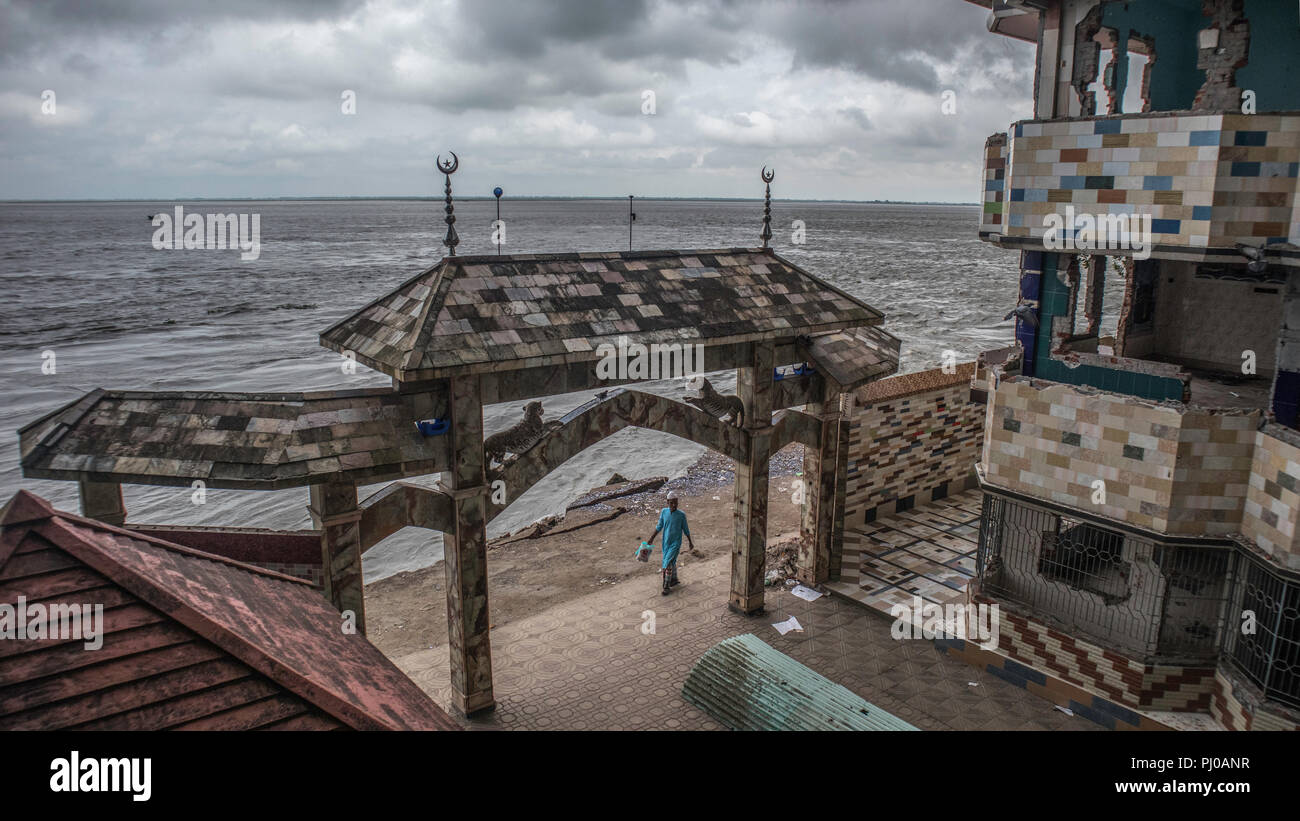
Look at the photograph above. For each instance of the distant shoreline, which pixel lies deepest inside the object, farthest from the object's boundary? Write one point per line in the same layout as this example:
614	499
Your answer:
460	198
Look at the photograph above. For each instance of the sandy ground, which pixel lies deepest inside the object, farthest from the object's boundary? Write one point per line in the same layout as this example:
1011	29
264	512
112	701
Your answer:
408	612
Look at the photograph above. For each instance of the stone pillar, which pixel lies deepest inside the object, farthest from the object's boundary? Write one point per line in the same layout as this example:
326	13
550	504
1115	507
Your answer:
1031	284
465	552
818	515
103	501
843	430
754	386
1285	400
334	510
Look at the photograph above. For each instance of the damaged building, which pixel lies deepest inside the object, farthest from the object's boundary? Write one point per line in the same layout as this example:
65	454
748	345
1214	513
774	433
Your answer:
1140	487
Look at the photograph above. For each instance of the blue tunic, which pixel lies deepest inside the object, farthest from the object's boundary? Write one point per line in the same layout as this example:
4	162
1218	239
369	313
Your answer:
673	524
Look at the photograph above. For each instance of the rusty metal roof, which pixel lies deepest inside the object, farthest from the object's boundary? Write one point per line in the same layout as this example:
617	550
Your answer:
231	440
493	313
190	640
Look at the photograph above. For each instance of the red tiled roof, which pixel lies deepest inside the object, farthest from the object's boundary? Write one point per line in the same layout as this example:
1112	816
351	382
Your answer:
191	640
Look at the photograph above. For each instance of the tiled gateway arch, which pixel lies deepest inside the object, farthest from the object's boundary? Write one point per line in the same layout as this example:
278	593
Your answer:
472	331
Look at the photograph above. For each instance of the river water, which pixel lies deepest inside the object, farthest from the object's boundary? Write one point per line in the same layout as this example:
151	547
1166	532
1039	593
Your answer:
83	280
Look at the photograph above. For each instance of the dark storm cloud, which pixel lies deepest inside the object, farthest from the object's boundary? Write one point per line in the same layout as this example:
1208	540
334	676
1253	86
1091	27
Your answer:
526	29
243	97
31	26
892	41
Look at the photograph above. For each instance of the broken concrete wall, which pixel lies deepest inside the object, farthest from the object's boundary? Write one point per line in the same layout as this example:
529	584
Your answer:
1224	49
1208	322
1169	29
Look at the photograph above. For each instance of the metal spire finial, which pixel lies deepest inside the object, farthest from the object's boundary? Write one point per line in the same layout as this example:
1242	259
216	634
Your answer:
767	177
448	168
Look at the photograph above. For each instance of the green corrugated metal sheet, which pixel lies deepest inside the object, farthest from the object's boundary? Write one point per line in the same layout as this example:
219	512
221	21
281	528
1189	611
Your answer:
745	684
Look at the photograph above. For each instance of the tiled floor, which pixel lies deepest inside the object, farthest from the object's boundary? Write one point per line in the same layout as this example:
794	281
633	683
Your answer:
588	665
928	552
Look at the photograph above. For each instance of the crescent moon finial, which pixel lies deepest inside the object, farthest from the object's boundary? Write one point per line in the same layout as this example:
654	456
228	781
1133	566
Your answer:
451	165
767	176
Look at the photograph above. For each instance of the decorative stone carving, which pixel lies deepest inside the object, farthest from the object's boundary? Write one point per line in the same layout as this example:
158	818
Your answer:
719	405
521	436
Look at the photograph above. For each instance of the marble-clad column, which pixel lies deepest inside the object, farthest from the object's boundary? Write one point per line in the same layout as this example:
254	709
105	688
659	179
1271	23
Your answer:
754	386
465	553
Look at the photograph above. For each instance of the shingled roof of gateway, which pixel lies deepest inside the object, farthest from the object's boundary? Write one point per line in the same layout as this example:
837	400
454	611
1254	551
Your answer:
855	357
230	440
492	313
190	640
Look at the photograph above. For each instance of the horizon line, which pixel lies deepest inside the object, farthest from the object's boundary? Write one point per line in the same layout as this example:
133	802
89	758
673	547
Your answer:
475	198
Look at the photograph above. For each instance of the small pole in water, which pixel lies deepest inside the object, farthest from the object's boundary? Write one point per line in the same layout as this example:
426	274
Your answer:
631	218
497	192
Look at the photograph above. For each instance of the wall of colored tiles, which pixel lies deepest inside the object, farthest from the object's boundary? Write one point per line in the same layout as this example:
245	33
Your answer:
1236	705
1167	470
1205	179
1273	498
1120	678
994	195
908	450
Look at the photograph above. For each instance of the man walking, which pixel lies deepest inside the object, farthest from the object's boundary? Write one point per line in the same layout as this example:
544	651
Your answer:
673	524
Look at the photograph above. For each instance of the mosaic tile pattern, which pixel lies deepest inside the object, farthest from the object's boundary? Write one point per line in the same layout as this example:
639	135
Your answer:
492	313
1226	708
1165	469
855	357
1125	681
1273	498
234	440
1055	690
912	438
586	665
927	552
995	185
1206	180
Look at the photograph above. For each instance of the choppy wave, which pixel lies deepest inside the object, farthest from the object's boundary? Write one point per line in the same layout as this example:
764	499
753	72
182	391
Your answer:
139	318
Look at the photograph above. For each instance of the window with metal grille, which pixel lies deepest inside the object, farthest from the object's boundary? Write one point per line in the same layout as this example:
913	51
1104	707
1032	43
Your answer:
1263	632
1146	599
1086	558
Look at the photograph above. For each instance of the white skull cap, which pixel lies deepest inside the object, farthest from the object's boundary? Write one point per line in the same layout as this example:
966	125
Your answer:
672	494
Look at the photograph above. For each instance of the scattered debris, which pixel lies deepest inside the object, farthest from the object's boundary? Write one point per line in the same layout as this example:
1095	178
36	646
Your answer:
554	525
1065	710
782	556
615	490
789	624
805	593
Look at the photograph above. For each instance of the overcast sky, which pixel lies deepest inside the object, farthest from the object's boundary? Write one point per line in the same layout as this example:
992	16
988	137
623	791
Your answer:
162	99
